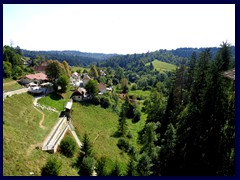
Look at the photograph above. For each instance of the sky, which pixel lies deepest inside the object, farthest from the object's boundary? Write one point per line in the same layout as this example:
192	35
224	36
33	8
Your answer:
122	29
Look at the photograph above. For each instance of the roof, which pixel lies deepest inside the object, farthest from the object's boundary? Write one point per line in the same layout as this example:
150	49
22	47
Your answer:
230	74
79	91
101	87
37	76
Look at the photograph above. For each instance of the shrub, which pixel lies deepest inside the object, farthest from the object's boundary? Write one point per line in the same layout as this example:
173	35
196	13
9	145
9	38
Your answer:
105	102
68	146
96	100
52	167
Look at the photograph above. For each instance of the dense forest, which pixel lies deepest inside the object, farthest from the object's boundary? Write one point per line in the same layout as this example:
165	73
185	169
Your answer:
194	132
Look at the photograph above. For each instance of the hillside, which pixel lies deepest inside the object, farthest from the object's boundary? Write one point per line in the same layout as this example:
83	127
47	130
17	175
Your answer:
162	66
74	58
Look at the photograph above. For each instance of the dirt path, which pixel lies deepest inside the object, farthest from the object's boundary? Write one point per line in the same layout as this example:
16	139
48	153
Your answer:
43	118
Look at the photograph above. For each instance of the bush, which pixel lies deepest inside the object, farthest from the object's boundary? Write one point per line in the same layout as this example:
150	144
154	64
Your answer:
96	100
123	144
68	146
52	167
105	102
134	87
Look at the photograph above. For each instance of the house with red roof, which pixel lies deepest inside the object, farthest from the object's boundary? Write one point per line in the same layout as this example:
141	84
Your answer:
37	78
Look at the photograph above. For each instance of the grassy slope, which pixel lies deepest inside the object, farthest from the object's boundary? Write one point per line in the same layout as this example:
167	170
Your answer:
162	66
20	132
10	85
95	120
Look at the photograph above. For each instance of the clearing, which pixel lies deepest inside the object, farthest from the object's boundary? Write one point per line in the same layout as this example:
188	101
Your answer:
162	66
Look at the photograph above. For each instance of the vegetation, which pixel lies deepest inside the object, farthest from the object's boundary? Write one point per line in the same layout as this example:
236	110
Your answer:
162	66
68	146
52	167
92	87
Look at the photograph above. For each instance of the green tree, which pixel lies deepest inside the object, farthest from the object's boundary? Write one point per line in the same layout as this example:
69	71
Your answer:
94	72
122	122
66	68
87	146
119	74
87	166
52	167
7	69
116	171
144	165
124	85
92	87
101	167
131	168
68	146
63	82
54	70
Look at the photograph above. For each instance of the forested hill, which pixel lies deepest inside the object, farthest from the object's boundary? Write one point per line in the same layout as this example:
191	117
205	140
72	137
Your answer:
74	58
177	57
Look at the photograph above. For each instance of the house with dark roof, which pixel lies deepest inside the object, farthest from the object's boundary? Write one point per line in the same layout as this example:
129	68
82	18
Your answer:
79	94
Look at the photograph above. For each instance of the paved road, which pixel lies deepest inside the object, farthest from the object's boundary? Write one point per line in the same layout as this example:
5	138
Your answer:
10	93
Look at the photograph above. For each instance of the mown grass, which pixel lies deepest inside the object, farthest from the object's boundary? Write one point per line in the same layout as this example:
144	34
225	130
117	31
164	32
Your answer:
139	93
21	132
162	66
11	85
54	100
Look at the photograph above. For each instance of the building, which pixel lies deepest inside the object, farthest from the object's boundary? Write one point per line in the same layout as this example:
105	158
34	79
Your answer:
37	78
79	94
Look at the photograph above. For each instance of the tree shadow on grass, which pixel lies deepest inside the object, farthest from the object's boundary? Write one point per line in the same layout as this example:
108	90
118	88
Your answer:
55	96
116	134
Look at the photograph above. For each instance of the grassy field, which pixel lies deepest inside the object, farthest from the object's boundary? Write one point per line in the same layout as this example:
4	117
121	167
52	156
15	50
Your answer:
162	66
139	93
10	85
101	125
21	134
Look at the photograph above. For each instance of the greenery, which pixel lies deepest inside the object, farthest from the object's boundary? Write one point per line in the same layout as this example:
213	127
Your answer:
22	136
162	66
68	146
92	87
63	82
53	100
52	167
11	86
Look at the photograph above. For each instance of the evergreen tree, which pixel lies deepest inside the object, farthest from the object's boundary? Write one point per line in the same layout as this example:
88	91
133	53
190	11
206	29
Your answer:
116	171
122	122
87	166
144	165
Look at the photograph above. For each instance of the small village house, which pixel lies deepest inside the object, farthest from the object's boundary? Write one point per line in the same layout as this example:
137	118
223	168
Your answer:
79	94
85	79
41	68
37	78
